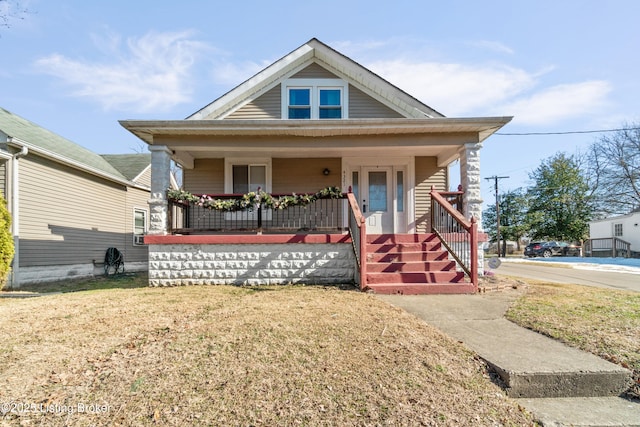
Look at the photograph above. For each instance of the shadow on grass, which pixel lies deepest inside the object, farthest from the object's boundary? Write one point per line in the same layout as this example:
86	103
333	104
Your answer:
116	281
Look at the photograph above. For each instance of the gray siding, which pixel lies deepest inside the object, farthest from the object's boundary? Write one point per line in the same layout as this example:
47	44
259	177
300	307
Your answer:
71	217
362	106
314	71
267	106
427	174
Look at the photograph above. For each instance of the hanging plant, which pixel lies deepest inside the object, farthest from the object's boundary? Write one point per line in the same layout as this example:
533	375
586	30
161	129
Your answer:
251	200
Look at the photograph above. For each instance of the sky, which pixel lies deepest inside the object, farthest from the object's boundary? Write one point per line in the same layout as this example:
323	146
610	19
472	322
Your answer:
76	67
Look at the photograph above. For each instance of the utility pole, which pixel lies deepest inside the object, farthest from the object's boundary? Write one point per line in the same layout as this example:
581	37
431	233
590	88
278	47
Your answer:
495	179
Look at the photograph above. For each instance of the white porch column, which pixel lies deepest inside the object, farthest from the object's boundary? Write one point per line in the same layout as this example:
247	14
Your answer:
472	198
160	182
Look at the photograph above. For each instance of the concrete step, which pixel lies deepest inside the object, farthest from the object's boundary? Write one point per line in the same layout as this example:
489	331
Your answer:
584	411
417	266
420	288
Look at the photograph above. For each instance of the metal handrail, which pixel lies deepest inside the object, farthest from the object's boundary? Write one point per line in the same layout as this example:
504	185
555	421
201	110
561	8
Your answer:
458	235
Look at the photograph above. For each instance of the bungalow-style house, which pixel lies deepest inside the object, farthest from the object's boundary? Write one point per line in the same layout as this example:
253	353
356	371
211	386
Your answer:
618	236
317	170
69	205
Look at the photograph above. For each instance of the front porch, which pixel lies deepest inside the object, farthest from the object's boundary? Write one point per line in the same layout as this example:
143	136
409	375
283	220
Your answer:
321	240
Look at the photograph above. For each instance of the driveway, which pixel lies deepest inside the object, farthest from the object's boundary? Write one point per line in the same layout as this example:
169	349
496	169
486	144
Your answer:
598	276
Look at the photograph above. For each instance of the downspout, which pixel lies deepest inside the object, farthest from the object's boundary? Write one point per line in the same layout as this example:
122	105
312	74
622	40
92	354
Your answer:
15	211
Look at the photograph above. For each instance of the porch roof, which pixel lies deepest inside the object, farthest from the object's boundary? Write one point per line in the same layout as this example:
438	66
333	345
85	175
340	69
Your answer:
440	137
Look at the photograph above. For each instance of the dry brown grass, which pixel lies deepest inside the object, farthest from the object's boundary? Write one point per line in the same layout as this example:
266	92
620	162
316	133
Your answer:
239	356
601	321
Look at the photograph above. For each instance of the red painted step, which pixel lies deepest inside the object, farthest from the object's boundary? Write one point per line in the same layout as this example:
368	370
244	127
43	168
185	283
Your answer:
412	264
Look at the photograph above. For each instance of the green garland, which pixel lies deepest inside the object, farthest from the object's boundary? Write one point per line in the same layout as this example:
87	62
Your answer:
251	200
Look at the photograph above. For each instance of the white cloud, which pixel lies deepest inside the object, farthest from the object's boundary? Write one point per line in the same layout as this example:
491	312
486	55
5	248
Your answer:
559	103
150	73
456	89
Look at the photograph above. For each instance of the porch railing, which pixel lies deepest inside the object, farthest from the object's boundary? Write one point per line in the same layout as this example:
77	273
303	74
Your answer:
323	215
459	235
358	232
607	247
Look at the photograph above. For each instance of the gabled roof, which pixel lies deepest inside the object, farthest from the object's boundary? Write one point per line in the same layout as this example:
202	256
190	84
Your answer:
318	52
129	165
22	132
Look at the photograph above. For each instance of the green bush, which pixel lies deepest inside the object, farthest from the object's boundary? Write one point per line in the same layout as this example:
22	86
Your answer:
6	242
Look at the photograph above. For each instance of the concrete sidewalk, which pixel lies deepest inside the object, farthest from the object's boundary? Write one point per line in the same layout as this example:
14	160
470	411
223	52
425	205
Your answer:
560	385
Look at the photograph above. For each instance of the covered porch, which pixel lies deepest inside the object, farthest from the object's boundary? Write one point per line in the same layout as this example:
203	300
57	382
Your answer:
378	178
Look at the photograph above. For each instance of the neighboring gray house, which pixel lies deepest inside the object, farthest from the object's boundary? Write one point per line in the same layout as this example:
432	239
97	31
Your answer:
69	204
316	120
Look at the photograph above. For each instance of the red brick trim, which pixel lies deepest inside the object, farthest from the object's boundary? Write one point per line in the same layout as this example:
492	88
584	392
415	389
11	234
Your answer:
218	239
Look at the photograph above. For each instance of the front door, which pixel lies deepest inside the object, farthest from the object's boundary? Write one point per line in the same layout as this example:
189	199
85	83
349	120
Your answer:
377	199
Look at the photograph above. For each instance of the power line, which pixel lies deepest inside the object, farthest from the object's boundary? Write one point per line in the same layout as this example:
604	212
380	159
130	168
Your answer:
565	133
495	179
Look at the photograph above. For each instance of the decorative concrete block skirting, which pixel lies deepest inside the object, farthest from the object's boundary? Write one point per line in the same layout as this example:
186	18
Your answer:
250	260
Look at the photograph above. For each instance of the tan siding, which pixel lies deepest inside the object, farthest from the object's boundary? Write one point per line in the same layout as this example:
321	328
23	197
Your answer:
304	175
314	71
362	106
67	216
427	174
145	178
267	106
207	177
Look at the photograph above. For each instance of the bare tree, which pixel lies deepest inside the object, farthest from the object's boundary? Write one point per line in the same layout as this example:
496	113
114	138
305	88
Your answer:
614	164
11	10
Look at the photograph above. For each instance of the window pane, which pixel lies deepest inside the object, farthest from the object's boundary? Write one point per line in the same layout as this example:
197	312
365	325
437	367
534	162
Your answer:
378	191
299	113
139	222
240	179
355	184
331	113
299	97
400	191
257	178
329	97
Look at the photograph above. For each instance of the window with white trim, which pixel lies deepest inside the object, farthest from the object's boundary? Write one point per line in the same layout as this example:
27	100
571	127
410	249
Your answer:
139	226
314	99
617	230
248	178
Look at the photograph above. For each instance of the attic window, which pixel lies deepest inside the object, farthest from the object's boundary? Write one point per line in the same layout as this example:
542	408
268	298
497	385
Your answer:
314	99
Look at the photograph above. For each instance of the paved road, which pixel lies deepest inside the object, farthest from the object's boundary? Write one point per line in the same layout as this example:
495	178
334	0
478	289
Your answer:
561	274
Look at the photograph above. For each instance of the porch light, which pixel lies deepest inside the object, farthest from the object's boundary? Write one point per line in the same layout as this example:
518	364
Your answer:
326	171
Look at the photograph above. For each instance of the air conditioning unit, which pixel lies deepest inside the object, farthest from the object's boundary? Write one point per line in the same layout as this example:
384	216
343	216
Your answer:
138	239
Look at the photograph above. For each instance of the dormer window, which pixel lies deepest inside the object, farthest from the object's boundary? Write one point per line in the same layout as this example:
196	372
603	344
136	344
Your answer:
314	99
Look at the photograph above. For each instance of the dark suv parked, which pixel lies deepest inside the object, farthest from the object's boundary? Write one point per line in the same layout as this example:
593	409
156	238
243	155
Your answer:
549	249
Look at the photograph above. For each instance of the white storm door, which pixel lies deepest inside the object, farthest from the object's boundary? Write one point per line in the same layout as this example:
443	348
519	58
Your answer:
377	199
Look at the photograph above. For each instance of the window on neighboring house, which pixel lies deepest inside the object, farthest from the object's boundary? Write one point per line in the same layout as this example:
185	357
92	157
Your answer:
617	230
139	226
314	99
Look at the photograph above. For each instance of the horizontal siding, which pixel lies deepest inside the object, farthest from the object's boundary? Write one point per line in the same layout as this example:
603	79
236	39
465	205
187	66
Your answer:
362	106
207	177
68	216
304	175
314	71
3	178
267	106
427	174
145	178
